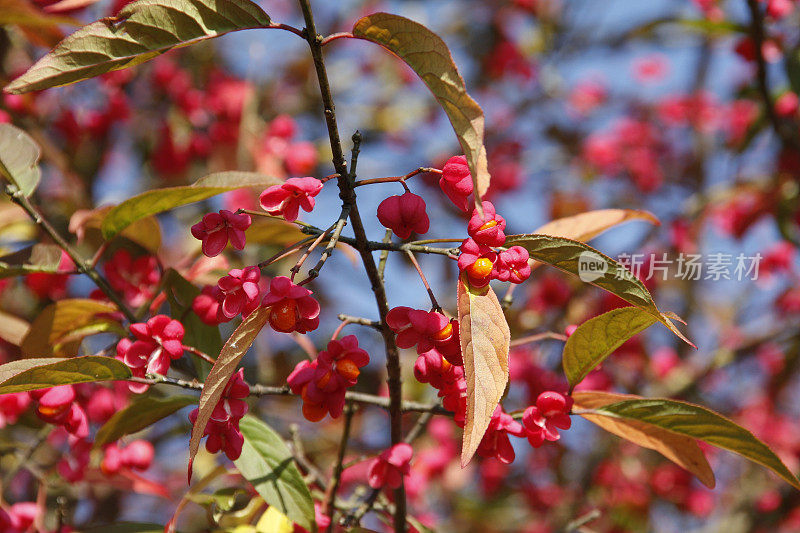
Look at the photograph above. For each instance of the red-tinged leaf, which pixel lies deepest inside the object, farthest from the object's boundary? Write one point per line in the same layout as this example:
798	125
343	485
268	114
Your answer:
32	374
598	337
680	449
160	200
485	342
586	226
65	321
427	54
224	367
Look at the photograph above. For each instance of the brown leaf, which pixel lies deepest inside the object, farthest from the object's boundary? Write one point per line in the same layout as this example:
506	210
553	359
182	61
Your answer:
233	351
681	450
427	54
586	226
485	341
13	329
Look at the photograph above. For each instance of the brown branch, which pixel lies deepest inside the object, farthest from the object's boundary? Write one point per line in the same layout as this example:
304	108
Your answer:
348	197
85	267
273	390
785	133
330	495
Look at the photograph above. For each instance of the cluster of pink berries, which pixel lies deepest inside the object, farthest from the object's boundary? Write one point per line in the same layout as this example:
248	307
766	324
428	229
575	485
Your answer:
223	426
323	382
72	409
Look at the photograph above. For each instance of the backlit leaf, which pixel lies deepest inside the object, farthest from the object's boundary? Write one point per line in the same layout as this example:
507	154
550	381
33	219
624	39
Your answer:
700	423
268	464
65	321
592	267
145	232
224	367
19	159
680	449
141	413
598	337
428	55
139	32
485	342
12	328
586	226
87	369
37	258
160	200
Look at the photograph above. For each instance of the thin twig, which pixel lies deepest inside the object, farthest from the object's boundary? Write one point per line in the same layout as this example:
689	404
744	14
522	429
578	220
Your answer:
360	321
539	337
787	134
297	266
286	27
202	355
81	264
289	250
335	236
272	390
387	239
434	303
348	197
394	179
330	496
334	36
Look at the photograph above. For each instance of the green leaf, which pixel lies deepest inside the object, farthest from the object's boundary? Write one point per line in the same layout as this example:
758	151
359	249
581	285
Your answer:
592	267
427	54
160	200
19	158
598	337
65	321
139	32
180	294
143	412
224	367
703	424
89	369
267	463
37	258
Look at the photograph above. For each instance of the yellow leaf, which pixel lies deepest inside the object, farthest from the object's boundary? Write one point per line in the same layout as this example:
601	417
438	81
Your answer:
681	450
485	341
274	521
66	320
428	55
